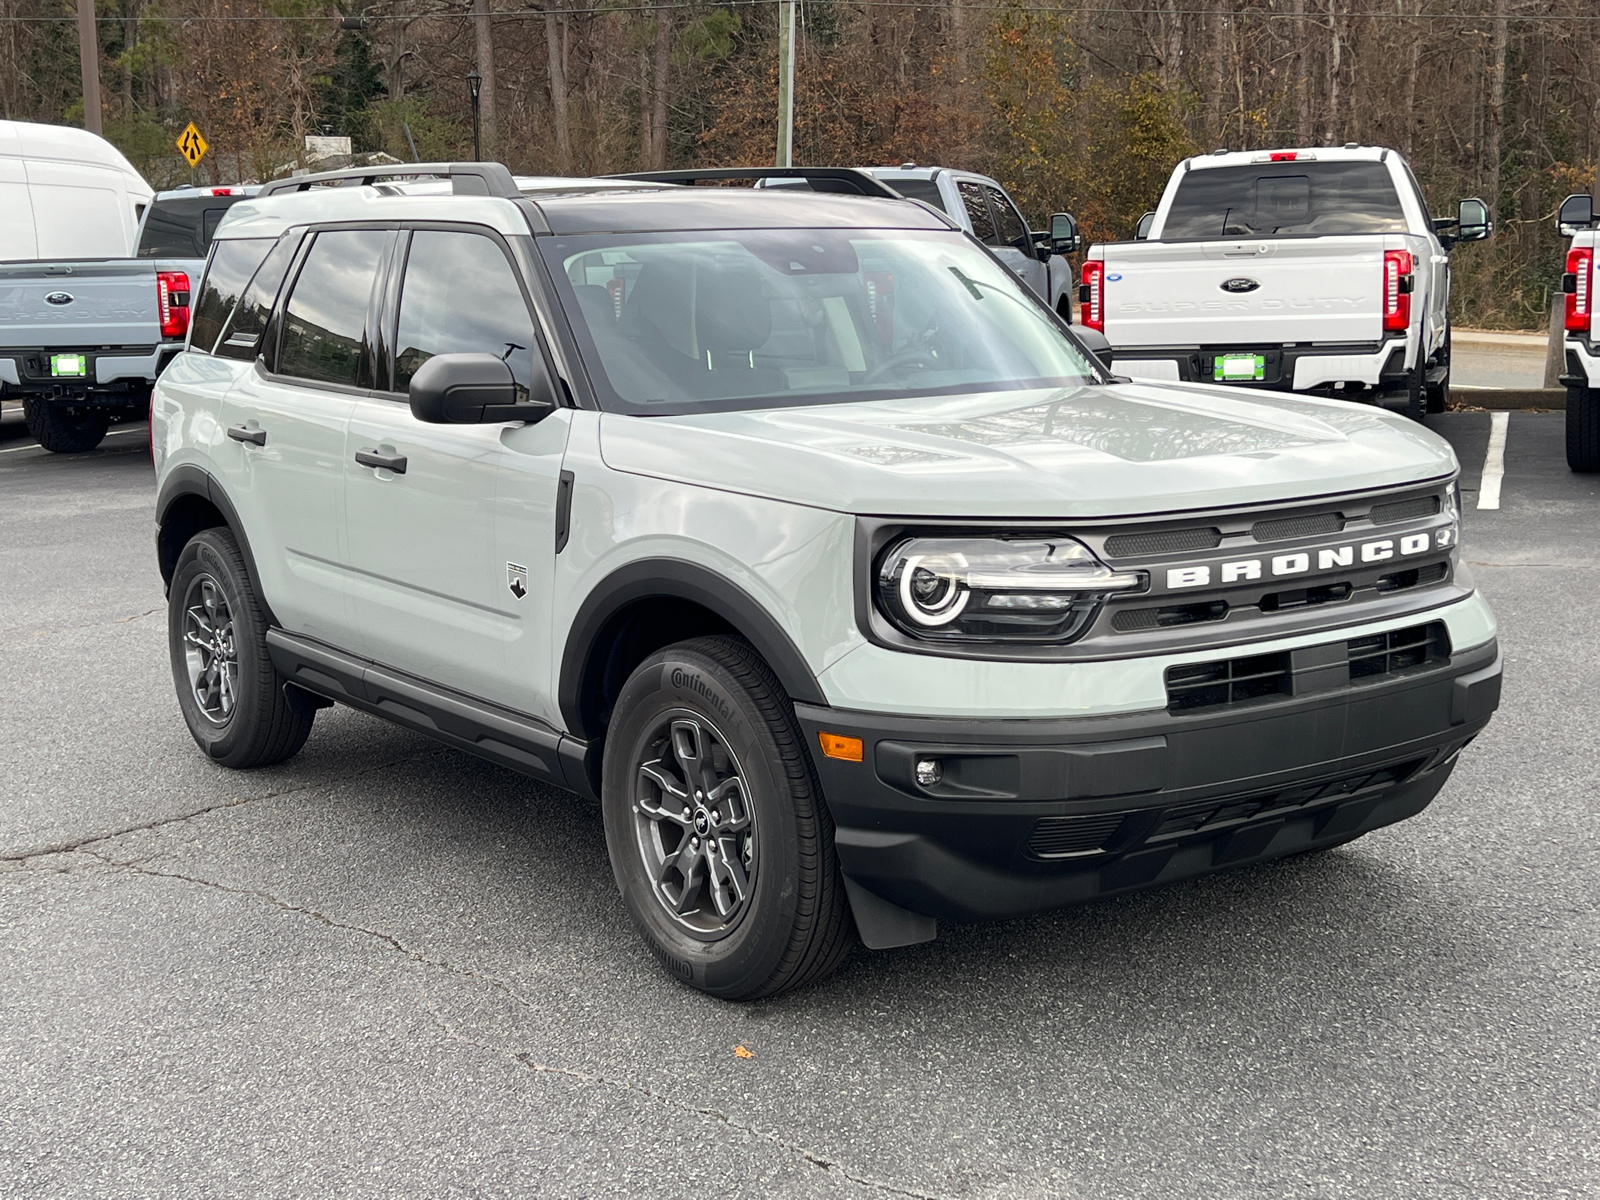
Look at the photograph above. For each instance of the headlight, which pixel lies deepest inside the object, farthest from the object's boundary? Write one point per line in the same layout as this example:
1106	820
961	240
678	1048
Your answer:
994	589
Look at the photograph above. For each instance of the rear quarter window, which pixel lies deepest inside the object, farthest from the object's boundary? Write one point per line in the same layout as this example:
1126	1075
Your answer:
1304	199
227	274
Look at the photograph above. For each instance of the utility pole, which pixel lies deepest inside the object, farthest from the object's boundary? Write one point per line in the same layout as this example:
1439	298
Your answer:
89	58
786	83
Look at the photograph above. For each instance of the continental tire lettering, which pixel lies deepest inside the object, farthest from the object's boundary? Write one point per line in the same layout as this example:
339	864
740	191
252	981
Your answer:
677	966
690	682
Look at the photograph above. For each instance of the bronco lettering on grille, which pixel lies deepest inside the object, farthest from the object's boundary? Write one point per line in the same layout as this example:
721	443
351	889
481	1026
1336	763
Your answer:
1300	563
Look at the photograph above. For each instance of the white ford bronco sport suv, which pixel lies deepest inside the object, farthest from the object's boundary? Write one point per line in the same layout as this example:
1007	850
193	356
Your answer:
798	533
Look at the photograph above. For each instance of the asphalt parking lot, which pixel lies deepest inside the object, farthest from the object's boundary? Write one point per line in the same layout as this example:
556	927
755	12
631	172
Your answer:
388	969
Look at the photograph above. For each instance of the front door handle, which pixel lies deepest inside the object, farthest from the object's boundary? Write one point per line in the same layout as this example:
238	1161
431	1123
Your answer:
244	433
375	458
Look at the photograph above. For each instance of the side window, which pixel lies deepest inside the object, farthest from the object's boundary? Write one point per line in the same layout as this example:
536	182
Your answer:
1422	200
460	296
229	270
978	213
325	319
1013	229
241	337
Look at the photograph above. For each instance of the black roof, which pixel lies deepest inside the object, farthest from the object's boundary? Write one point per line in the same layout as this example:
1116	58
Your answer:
659	209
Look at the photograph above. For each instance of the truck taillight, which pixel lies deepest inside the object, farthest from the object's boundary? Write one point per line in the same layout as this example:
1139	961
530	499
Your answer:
1397	284
1093	293
1579	266
172	298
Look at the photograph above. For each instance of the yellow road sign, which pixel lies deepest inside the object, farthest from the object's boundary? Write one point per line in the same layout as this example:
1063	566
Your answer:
191	145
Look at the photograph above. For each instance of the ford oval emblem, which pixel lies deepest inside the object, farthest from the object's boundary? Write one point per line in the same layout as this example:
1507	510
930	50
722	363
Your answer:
1239	284
58	298
1113	277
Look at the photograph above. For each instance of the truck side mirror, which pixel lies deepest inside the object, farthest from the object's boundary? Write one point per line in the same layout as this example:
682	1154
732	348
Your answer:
1472	221
1063	233
1141	231
476	389
1577	213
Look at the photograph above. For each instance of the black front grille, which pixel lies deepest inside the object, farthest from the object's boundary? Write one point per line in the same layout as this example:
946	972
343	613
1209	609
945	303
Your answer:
1212	814
1415	577
1062	837
1230	681
1404	510
1134	619
1307	669
1398	650
1297	527
1165	541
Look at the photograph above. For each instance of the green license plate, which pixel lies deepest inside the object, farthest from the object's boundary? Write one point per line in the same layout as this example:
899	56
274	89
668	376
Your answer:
1229	368
75	365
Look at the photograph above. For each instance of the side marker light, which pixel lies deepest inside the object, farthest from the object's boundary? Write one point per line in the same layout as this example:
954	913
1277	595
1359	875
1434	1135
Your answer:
836	745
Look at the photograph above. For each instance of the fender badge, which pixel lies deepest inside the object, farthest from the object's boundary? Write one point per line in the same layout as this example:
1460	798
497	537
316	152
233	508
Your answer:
1240	284
517	580
58	298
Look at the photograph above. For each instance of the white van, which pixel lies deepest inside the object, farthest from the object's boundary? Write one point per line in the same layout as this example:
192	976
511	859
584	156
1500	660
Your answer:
66	193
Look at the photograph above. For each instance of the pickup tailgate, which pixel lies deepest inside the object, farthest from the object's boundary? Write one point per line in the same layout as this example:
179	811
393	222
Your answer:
1244	293
79	304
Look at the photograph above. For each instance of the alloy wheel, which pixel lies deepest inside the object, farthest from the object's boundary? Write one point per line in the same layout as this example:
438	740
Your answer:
209	650
694	824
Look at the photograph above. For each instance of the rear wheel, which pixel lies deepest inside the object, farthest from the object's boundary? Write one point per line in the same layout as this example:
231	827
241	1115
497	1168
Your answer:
232	697
65	428
1583	429
1414	392
719	839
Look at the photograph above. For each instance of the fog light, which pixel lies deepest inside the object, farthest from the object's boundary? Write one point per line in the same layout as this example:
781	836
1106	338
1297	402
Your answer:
929	771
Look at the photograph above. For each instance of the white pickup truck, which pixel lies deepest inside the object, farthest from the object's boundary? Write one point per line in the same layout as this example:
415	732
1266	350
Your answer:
1311	270
1581	345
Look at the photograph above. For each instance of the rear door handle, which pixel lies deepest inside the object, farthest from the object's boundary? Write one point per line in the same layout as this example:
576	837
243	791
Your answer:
391	462
243	433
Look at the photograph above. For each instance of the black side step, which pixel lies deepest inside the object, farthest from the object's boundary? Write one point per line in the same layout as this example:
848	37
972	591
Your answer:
510	739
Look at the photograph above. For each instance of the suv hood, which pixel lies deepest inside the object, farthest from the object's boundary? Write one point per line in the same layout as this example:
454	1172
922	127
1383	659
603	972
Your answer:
1090	451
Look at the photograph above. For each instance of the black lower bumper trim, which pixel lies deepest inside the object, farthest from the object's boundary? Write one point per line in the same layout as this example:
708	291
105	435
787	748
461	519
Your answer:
1034	814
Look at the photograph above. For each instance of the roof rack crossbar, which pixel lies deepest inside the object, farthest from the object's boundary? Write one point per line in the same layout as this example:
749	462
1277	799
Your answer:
846	180
466	178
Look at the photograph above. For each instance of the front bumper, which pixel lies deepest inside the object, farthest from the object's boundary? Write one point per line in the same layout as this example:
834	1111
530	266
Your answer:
1380	365
1040	813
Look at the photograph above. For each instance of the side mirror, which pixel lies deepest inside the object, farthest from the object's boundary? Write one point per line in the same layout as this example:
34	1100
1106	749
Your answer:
1095	343
1141	231
1577	213
1063	233
1472	221
476	389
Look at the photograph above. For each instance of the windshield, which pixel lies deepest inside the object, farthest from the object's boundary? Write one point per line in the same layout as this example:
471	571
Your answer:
714	321
1284	199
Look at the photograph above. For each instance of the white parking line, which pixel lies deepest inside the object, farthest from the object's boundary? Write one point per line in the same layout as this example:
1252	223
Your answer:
35	445
1494	462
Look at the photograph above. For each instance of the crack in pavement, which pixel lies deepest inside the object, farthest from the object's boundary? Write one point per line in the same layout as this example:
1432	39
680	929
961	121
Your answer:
237	802
812	1157
40	631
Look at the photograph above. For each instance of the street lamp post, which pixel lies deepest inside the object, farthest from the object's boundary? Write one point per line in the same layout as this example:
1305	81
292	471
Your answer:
474	83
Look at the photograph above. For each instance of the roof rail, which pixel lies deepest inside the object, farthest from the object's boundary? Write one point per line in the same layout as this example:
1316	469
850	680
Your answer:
845	180
466	178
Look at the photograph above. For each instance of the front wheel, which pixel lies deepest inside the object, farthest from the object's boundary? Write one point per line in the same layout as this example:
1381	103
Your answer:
64	428
720	842
232	697
1583	429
